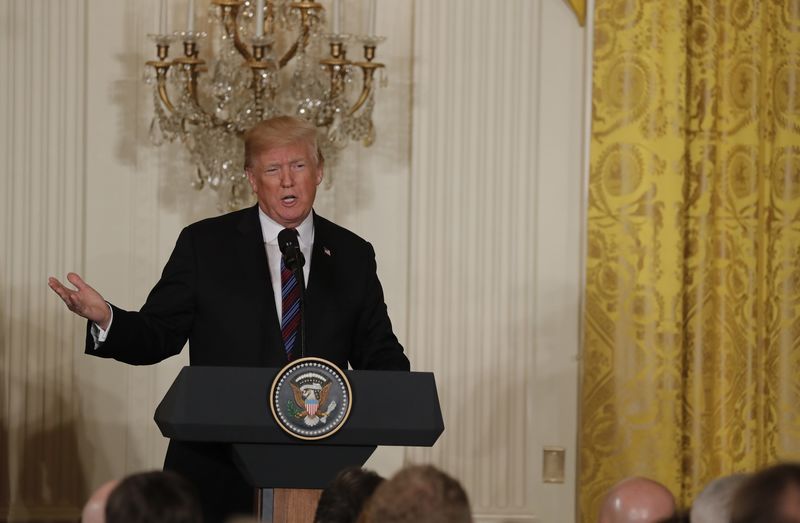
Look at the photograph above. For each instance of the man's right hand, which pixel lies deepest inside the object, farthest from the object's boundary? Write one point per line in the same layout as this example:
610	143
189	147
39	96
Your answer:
85	301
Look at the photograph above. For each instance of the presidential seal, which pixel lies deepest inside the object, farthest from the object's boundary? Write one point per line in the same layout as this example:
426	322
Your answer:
310	398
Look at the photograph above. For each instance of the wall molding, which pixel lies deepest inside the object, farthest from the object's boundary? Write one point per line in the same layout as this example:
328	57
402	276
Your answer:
494	280
43	234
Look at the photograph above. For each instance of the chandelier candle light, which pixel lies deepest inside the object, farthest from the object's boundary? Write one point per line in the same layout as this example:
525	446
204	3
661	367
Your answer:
209	105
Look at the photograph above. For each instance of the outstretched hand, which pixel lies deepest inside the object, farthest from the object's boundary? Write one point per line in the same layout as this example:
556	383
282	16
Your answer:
85	301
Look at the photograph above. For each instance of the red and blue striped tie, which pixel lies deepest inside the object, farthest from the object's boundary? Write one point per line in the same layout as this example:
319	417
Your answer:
290	306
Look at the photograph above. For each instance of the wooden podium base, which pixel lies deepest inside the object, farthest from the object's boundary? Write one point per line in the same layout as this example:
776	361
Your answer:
287	505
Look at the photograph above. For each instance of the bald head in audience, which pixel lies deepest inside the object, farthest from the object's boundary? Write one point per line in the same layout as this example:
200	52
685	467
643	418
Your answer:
95	509
637	500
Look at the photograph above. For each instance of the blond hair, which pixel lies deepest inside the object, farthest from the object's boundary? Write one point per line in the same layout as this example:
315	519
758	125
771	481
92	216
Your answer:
281	131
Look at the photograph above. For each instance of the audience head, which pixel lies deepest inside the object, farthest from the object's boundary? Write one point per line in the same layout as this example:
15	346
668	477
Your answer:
153	497
769	496
713	504
418	494
345	497
95	509
637	500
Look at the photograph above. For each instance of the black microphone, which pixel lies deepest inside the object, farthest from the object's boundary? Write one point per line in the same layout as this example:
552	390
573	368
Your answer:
290	248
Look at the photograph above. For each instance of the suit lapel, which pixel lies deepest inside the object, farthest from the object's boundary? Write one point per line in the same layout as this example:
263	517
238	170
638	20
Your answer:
320	280
320	273
253	256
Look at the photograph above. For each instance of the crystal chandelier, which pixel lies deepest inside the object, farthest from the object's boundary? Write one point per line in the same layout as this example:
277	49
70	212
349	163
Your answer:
268	61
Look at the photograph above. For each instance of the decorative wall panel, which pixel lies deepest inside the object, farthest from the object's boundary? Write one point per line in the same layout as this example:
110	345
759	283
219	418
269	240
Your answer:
495	241
42	57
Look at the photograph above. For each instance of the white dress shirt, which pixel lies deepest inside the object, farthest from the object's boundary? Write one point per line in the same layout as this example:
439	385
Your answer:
269	230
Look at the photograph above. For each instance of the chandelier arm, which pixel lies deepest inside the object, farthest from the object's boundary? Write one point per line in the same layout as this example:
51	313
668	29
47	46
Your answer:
192	66
261	67
258	88
214	120
185	130
337	69
241	47
300	43
163	95
161	68
306	21
291	52
232	30
368	86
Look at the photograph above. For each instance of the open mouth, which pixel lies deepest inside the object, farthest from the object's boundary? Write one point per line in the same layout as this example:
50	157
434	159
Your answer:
289	199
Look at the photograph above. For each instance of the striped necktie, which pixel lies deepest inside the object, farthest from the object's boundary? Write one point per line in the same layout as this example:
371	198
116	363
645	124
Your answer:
290	306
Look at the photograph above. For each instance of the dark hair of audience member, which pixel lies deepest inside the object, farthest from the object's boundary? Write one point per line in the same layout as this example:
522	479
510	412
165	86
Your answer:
679	517
153	497
344	498
769	496
418	494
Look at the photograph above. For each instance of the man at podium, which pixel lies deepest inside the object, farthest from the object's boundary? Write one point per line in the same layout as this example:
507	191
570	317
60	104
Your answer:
227	289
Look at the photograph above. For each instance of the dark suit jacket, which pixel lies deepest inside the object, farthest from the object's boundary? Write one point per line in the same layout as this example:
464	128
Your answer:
215	292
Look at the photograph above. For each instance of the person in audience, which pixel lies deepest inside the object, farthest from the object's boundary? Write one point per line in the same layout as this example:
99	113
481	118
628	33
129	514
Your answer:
343	500
418	494
769	496
637	500
713	504
154	497
95	509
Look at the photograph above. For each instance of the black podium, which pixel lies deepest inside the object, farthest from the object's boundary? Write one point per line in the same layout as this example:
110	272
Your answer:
231	405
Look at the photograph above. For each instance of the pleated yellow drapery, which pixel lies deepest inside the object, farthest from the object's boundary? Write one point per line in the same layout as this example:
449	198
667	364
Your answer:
691	363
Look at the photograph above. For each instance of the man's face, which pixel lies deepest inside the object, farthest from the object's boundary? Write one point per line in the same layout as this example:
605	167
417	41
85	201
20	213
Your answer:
285	181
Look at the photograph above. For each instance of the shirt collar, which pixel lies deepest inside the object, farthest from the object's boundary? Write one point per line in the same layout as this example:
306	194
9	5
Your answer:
270	229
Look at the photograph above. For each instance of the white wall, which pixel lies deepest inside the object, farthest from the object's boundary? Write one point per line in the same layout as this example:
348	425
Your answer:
476	173
495	244
42	180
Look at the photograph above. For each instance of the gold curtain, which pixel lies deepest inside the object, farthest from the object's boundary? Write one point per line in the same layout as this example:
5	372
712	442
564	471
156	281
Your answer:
691	363
579	7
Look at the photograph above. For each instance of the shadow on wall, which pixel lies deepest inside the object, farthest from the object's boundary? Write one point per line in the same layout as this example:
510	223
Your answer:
126	96
344	189
131	99
43	473
5	480
50	476
49	482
